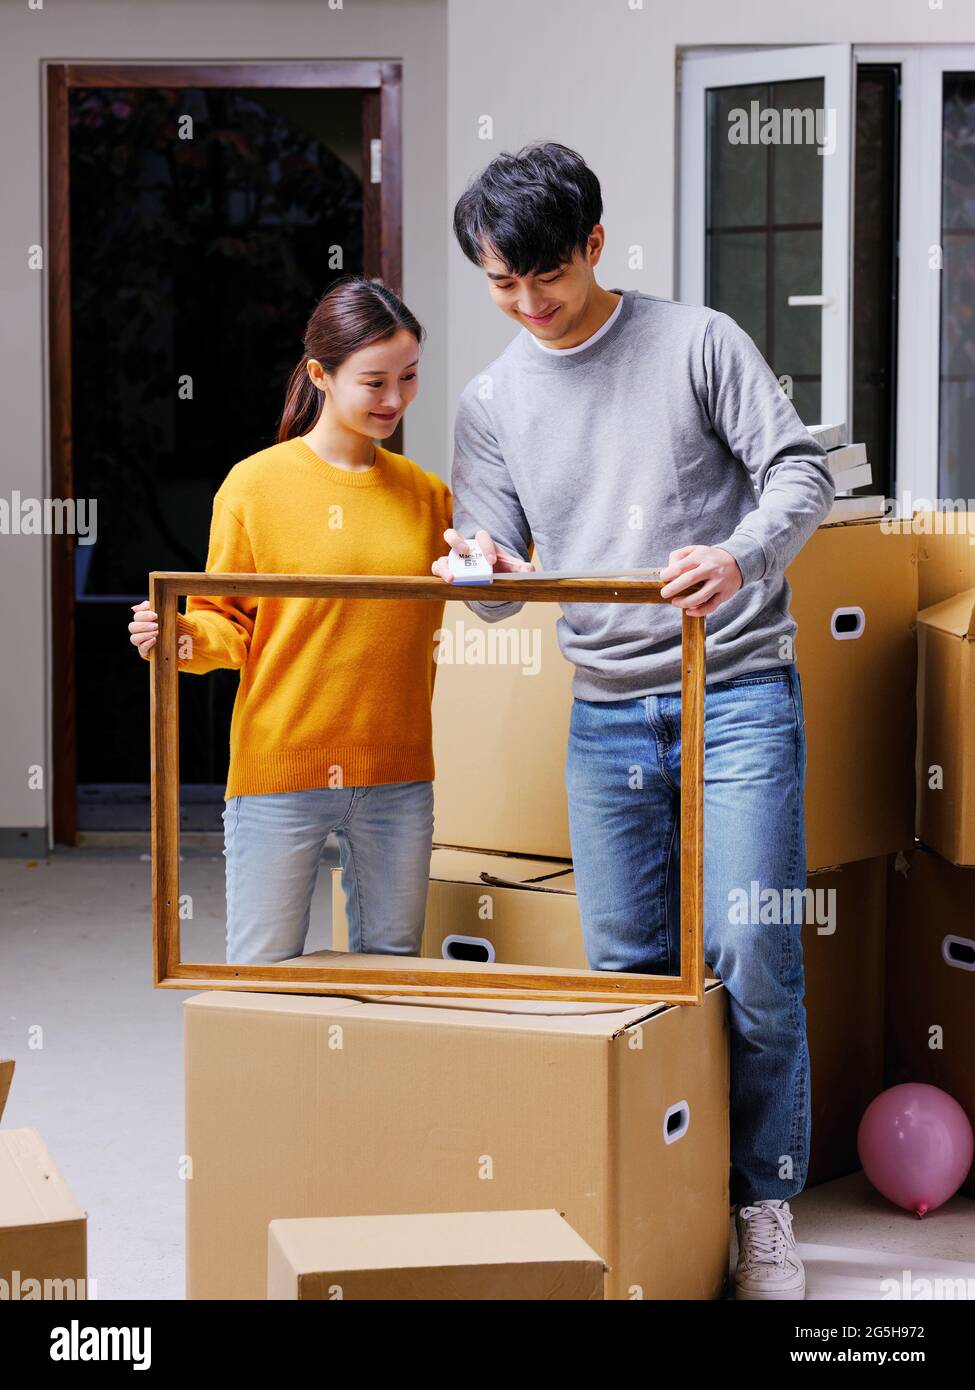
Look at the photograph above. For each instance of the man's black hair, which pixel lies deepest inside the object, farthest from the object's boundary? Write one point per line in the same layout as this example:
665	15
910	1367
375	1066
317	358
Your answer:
533	209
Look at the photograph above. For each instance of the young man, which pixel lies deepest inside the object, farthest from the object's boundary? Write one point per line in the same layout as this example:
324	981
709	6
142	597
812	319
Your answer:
622	428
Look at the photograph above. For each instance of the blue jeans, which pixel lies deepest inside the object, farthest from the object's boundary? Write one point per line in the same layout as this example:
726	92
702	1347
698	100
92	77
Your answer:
623	780
273	845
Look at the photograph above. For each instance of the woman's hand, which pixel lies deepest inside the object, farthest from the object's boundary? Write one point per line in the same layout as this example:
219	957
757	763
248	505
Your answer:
708	572
497	558
144	628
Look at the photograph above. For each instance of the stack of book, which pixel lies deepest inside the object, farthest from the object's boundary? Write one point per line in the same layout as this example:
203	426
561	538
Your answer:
850	469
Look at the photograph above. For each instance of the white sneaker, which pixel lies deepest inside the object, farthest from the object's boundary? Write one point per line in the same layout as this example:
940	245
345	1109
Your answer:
768	1265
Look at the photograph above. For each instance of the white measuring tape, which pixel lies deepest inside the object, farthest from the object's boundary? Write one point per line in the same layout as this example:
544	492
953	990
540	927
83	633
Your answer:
473	568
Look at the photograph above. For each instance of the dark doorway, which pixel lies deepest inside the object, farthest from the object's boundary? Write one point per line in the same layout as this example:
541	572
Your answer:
206	217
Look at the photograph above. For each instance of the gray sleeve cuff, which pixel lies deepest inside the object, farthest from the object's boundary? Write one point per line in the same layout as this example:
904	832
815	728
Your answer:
493	612
749	555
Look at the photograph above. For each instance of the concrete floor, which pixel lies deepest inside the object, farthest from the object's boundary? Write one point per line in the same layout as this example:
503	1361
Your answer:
105	1088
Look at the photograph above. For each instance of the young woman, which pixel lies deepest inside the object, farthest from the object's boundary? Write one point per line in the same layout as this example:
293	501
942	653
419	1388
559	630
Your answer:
331	728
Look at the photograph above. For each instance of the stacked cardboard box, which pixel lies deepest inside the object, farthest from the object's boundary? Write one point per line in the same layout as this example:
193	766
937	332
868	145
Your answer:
360	1109
946	633
423	1106
523	912
504	789
854	594
931	978
843	952
931	933
617	1118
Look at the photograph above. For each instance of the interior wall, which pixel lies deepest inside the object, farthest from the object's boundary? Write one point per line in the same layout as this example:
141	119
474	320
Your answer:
410	31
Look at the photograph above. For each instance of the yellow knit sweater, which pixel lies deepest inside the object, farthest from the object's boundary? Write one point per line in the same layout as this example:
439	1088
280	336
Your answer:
333	692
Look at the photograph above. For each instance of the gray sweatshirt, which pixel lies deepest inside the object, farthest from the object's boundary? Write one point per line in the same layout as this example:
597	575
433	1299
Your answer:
670	430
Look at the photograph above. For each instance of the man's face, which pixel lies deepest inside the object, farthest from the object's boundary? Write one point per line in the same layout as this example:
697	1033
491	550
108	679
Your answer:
551	303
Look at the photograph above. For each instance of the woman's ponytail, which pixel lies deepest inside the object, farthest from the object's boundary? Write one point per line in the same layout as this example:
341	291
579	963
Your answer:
350	315
302	404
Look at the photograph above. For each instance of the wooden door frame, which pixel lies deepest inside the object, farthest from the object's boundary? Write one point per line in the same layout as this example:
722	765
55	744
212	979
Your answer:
380	84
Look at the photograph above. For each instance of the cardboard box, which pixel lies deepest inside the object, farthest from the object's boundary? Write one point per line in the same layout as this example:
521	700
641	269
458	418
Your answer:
930	1034
843	952
618	1119
510	684
523	912
470	919
43	1230
497	1255
945	554
854	598
946	811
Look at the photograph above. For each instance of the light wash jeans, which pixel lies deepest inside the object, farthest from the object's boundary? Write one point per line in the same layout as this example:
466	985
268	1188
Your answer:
273	845
623	781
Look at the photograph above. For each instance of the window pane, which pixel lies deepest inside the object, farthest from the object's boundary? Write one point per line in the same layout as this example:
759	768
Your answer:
957	432
797	194
737	281
797	331
956	464
958	329
764	223
737	174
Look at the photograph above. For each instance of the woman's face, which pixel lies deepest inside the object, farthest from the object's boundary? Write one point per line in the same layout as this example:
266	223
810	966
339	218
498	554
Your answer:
373	387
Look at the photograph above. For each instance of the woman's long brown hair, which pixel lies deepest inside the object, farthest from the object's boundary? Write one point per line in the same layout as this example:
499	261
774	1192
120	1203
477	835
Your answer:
352	313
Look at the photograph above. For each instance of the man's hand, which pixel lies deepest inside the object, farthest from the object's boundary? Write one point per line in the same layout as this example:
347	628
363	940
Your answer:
714	569
497	558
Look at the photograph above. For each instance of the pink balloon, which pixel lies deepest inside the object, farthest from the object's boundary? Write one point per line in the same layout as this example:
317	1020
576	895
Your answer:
916	1145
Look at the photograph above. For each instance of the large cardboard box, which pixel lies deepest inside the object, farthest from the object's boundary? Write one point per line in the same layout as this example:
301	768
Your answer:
43	1230
946	813
496	1255
501	715
843	953
618	1119
501	706
930	1012
854	598
476	910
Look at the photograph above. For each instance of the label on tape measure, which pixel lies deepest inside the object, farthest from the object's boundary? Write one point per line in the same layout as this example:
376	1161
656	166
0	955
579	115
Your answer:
471	568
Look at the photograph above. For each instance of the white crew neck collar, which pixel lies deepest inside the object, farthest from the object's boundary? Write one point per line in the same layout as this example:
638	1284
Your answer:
566	352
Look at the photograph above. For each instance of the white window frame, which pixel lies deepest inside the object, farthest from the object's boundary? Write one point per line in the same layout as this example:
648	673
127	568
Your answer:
918	407
920	287
834	64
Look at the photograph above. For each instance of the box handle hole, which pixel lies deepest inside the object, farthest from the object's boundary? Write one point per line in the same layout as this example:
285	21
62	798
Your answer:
676	1120
847	623
477	948
959	951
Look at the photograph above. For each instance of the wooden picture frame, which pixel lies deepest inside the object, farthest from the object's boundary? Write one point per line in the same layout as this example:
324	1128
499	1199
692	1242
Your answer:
372	975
